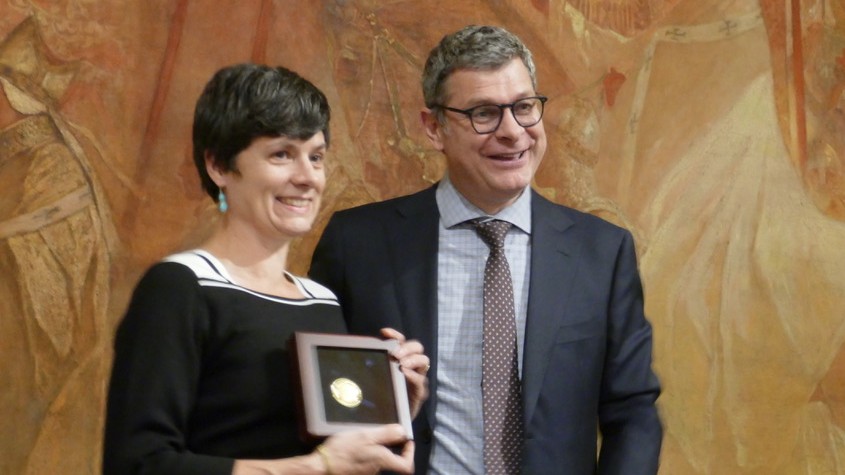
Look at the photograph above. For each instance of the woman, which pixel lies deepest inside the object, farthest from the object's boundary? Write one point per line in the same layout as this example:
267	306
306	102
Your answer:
201	371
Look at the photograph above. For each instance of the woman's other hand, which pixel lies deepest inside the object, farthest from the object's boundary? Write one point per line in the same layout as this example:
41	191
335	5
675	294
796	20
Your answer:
414	365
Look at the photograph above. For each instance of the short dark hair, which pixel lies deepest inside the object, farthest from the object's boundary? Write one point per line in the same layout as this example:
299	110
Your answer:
247	101
472	47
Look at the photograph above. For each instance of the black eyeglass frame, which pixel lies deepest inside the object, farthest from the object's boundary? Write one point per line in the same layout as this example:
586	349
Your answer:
502	107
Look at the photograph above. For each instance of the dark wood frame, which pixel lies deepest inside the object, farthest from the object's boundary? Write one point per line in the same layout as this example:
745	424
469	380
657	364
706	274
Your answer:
311	396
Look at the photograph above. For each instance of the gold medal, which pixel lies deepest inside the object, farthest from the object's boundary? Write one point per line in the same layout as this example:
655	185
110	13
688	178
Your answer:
346	392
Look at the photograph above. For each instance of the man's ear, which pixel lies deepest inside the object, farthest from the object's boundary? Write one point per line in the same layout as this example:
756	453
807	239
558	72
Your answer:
433	128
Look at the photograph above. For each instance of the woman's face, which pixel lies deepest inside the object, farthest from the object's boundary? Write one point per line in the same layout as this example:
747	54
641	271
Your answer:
277	187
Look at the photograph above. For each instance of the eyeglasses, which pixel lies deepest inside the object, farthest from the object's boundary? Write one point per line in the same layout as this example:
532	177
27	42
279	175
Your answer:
486	118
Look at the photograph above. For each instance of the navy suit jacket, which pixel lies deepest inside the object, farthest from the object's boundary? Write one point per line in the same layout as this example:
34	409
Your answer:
587	351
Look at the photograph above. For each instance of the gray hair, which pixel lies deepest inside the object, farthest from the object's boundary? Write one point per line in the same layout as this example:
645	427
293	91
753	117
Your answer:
473	47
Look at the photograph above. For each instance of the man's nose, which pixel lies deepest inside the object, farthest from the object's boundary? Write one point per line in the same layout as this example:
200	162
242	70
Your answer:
508	127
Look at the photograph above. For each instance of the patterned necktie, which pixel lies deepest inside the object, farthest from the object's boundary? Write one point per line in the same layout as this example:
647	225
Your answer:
502	400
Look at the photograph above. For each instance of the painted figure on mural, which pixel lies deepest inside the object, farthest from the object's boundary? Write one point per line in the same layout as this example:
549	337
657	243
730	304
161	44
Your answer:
54	252
744	259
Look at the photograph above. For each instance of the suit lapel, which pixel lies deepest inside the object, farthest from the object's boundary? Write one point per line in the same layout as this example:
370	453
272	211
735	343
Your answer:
413	257
553	252
413	242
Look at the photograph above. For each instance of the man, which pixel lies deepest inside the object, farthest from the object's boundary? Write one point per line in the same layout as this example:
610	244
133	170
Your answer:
417	263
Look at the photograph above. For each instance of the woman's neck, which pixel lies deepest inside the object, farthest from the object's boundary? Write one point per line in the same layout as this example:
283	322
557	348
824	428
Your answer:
252	263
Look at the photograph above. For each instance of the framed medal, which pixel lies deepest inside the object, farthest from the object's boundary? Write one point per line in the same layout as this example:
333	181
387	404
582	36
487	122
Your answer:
345	382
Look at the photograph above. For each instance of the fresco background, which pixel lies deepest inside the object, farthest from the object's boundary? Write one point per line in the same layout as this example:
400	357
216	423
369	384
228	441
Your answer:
713	129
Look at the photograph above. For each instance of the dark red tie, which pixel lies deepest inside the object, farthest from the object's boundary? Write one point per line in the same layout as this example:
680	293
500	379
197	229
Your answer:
502	400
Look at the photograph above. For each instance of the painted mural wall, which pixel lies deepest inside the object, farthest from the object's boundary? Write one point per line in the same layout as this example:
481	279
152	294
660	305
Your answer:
713	129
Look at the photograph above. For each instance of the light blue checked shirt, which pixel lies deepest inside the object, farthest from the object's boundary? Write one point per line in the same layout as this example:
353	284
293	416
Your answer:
458	430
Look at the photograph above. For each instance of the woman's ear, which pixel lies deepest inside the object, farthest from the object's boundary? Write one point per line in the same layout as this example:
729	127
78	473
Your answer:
433	128
217	175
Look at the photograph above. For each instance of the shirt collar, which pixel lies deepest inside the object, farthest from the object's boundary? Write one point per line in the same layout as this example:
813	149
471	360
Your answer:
455	209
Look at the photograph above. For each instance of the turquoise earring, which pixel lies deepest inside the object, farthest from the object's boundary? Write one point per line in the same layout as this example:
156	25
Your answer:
222	205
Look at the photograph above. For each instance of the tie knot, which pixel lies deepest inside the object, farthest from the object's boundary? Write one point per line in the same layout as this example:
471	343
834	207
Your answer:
492	232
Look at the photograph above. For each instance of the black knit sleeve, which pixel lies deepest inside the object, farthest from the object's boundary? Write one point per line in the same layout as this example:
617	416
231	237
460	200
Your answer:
158	351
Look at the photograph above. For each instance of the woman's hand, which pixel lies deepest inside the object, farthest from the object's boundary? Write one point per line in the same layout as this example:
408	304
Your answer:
414	365
355	452
367	451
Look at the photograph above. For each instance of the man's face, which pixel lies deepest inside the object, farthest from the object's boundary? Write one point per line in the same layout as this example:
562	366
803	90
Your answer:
490	170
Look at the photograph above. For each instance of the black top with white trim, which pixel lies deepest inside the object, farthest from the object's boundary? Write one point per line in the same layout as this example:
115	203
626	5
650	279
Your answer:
201	373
